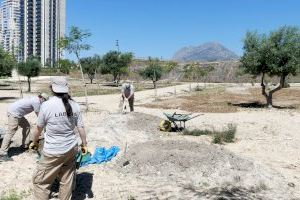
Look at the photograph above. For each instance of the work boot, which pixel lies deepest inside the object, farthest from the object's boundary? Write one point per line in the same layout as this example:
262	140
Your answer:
5	158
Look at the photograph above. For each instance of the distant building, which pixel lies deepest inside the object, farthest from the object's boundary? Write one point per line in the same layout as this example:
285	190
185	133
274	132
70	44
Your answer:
37	25
10	12
0	27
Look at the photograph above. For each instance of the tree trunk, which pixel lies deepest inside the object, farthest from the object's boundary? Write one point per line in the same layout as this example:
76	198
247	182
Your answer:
155	90
154	84
83	81
96	79
29	84
20	86
116	79
91	80
270	100
269	96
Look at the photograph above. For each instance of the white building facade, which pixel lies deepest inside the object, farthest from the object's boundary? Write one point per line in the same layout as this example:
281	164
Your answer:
41	23
11	27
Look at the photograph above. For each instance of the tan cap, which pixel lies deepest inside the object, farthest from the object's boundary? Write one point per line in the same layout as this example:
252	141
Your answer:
45	96
59	84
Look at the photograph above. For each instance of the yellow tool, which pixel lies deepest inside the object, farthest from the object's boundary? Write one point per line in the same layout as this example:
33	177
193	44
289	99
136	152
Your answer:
165	126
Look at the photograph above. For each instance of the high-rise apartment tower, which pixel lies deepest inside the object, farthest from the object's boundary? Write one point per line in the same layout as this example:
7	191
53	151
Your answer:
10	31
39	25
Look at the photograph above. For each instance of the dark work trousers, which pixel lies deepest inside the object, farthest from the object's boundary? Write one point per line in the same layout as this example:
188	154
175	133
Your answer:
131	102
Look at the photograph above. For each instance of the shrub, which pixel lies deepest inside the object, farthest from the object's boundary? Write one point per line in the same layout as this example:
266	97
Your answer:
219	137
7	63
226	136
197	132
198	88
229	134
12	195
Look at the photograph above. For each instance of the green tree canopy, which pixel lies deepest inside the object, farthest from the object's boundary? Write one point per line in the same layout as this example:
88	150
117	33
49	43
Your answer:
30	68
90	66
74	43
7	63
195	71
276	55
116	64
153	71
170	66
65	65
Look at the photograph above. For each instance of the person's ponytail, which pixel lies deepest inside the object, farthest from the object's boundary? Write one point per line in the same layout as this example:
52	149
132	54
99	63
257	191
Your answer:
65	98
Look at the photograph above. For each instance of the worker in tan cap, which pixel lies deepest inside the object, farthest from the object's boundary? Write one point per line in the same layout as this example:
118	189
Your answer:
60	115
16	117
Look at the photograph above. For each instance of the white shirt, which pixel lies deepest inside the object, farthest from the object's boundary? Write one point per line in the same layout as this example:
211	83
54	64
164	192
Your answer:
24	106
127	89
59	136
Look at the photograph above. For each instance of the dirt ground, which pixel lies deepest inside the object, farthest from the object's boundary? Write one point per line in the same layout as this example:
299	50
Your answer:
225	100
263	163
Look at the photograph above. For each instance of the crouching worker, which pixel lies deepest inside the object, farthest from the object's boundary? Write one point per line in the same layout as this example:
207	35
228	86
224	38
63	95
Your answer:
128	94
16	113
60	116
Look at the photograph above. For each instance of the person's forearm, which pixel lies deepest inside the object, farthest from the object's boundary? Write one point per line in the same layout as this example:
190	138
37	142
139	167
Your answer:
37	133
82	135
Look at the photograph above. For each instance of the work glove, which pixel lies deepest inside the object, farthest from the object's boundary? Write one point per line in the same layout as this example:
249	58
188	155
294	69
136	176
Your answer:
84	149
34	146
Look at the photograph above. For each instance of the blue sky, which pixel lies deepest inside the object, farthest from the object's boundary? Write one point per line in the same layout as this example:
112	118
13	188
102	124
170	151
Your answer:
160	27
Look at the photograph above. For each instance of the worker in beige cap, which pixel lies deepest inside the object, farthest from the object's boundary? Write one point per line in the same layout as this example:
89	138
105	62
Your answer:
60	115
16	117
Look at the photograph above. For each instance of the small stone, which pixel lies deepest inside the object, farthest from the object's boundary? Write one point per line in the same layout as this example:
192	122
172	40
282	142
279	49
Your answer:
126	163
291	184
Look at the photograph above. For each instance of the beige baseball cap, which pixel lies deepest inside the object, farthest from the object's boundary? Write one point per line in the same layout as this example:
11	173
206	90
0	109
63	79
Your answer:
59	84
45	96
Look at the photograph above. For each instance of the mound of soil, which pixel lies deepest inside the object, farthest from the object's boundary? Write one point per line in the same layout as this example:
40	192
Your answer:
201	169
183	156
143	122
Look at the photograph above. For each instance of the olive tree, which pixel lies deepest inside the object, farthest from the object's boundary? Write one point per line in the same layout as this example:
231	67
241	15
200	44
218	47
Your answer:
196	72
116	64
90	66
30	68
153	71
276	54
65	65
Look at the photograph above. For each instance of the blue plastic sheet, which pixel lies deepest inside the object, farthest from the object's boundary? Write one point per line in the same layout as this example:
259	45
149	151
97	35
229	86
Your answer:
100	155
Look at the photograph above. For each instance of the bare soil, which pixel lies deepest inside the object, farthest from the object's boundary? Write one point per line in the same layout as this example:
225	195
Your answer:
261	164
221	100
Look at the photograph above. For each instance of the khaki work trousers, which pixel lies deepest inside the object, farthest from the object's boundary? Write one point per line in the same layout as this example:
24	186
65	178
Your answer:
50	167
13	124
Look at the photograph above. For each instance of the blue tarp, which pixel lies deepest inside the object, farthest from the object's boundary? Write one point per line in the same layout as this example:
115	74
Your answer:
100	155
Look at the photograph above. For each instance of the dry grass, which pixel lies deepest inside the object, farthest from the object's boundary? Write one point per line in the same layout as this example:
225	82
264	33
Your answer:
219	137
77	88
218	100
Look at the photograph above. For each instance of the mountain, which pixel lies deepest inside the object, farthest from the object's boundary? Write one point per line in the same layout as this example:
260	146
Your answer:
210	51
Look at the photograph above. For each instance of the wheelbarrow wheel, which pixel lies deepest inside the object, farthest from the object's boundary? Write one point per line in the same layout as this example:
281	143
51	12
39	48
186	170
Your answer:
165	126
